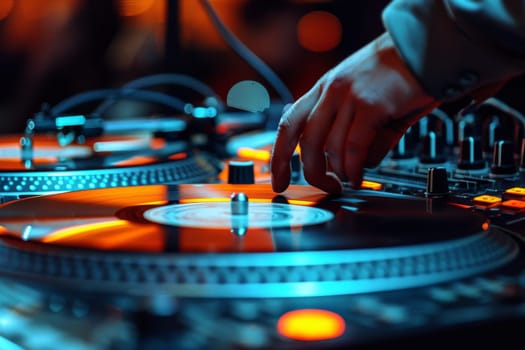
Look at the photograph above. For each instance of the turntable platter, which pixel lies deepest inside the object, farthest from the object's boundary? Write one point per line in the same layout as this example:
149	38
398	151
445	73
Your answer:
103	162
181	239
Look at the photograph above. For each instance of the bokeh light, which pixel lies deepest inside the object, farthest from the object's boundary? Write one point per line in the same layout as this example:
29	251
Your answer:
311	325
5	8
319	31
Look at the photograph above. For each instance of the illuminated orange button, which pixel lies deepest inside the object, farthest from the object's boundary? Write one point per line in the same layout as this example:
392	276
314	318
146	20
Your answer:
486	200
514	204
311	325
516	191
370	185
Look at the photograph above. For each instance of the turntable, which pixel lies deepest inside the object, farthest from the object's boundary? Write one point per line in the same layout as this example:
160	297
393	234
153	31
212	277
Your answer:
209	257
100	162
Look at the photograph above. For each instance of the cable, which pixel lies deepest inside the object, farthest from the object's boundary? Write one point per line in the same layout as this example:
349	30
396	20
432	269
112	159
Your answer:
166	78
262	68
175	79
94	95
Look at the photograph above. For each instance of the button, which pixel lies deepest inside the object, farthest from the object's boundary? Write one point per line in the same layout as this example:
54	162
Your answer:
515	192
487	200
514	204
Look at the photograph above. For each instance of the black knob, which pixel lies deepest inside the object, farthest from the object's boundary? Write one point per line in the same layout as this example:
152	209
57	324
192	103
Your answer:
241	172
437	183
433	149
406	147
470	154
492	134
503	159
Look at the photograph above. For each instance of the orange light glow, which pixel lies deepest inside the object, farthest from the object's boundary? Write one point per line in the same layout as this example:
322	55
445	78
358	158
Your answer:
485	226
486	200
370	185
517	192
514	204
178	156
254	154
110	235
134	7
462	206
311	325
158	143
197	29
5	8
319	31
302	202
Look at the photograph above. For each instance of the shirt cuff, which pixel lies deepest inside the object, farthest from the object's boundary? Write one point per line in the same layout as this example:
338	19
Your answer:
448	63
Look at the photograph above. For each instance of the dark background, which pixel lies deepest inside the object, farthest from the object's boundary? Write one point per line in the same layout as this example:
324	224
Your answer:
51	50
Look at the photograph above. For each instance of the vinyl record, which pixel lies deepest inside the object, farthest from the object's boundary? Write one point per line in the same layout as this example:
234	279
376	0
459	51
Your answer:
47	154
116	161
186	236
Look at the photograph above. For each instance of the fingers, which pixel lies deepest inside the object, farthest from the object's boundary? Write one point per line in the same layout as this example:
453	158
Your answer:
335	142
290	129
359	138
314	137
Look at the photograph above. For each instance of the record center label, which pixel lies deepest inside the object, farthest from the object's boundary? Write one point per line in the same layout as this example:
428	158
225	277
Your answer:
217	215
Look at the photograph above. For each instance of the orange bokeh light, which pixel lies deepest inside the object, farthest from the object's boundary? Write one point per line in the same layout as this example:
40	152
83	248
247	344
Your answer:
311	325
319	31
5	8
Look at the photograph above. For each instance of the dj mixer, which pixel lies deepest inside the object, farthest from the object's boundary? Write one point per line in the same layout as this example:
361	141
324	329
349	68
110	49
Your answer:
167	247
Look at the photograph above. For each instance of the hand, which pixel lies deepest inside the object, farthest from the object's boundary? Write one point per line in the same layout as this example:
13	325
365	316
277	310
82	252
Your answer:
350	118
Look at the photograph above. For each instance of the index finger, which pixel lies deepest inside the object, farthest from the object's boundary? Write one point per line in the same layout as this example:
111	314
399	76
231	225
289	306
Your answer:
289	131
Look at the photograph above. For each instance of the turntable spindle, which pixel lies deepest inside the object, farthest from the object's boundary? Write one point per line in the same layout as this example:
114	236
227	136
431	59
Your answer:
239	203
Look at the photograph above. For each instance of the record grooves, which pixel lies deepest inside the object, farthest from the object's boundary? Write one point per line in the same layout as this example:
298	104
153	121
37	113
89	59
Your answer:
102	163
100	241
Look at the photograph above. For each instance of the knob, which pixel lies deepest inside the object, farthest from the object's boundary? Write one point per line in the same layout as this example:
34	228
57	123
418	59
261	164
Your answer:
492	133
406	147
241	172
433	149
470	154
437	183
503	159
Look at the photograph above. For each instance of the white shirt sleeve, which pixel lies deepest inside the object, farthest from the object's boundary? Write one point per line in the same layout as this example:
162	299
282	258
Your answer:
456	46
